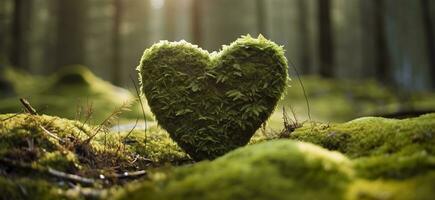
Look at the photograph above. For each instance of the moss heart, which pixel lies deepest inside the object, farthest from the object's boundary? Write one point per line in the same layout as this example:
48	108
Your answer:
213	103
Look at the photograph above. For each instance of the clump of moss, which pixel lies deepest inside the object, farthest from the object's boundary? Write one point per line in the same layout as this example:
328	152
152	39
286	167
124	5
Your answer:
32	146
420	187
213	103
379	147
280	169
156	145
74	92
25	188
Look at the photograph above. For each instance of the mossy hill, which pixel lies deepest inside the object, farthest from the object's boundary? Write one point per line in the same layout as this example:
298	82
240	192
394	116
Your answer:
74	92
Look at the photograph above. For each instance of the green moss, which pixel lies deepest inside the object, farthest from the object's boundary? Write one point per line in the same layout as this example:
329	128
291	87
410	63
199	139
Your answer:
24	188
64	146
213	103
280	169
420	187
23	139
72	93
156	145
379	147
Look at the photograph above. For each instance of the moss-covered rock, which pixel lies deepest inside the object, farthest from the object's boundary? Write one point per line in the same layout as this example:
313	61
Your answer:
280	169
213	103
379	147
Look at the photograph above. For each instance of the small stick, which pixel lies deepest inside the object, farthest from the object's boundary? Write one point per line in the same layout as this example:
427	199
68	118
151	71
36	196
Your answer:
63	175
28	107
32	111
71	177
131	174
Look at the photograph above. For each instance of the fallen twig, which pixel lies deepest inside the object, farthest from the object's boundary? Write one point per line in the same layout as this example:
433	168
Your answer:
32	111
131	174
50	171
71	177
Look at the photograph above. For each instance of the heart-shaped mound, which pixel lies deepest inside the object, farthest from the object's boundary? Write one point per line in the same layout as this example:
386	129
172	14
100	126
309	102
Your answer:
213	103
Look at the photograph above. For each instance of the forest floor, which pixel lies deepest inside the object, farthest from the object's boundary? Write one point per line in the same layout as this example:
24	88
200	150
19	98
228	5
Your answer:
83	143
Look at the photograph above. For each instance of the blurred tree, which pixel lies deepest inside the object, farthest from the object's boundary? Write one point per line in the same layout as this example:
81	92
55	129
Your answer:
116	41
71	31
177	20
407	44
304	36
196	22
19	56
225	20
170	19
5	16
429	30
326	50
261	16
381	50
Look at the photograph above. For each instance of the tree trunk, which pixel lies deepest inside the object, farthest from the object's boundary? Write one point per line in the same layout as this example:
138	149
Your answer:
383	60
304	37
116	42
326	50
261	17
170	20
429	30
19	56
71	32
196	22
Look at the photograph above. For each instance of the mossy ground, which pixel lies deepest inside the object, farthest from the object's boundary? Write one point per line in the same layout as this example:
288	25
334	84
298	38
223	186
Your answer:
271	170
333	100
74	92
379	147
32	146
382	158
367	158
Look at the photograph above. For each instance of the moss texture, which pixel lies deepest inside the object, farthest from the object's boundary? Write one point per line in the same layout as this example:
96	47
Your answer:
27	153
379	147
382	159
418	188
73	93
23	188
280	169
155	145
213	103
